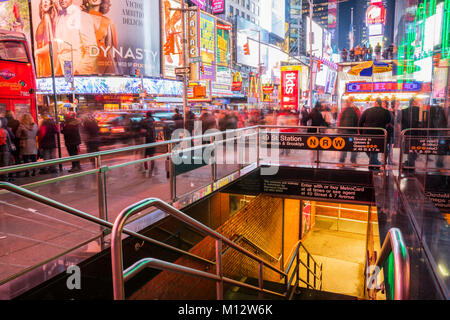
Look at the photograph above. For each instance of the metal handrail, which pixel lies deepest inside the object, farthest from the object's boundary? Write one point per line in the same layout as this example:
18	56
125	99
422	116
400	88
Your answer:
394	243
296	257
78	213
42	164
116	244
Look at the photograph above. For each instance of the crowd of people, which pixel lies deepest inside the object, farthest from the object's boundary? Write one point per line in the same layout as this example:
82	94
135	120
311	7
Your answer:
24	141
368	53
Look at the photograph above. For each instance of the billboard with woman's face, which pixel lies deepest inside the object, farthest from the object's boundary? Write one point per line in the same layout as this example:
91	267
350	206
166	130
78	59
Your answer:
103	37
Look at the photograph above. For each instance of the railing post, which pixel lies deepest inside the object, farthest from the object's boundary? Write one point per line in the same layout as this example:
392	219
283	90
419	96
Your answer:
172	176
219	269
315	275
400	164
101	196
307	271
261	281
214	162
297	281
257	148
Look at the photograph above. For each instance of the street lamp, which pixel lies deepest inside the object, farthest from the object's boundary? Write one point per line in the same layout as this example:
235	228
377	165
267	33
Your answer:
55	98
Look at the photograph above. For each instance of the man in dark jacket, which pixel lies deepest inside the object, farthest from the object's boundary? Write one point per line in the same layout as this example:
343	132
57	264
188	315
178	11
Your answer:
410	120
375	117
316	118
92	138
13	125
47	142
148	130
349	117
178	119
72	138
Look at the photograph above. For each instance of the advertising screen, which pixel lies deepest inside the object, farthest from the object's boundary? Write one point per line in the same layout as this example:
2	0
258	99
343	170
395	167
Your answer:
111	85
200	3
317	42
223	55
321	78
207	38
272	17
290	85
9	20
171	23
248	31
218	6
105	38
425	72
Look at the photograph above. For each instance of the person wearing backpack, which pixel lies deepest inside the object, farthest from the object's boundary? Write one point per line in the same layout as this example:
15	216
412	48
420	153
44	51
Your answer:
349	117
6	147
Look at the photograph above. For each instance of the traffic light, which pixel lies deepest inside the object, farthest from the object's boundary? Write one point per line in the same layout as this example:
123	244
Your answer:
202	69
169	46
246	49
138	71
319	65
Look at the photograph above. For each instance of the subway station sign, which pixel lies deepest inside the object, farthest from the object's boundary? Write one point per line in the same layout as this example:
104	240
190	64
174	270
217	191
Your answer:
428	146
323	142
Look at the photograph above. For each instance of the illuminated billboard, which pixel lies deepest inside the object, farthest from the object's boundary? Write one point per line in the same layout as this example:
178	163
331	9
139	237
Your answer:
317	43
207	39
172	26
223	55
14	16
272	17
248	33
105	37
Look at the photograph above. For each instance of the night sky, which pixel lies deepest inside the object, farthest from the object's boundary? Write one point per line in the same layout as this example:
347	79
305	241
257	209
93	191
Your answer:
358	20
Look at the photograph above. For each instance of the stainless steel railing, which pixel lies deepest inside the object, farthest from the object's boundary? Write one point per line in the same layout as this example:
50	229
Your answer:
60	206
394	243
119	276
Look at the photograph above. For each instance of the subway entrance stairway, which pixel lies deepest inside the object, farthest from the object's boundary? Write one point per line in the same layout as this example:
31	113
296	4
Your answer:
302	233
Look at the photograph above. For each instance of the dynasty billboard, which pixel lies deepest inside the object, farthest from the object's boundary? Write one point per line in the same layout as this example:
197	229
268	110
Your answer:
104	37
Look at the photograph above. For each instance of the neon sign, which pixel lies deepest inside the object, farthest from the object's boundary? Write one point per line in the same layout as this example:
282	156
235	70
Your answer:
367	87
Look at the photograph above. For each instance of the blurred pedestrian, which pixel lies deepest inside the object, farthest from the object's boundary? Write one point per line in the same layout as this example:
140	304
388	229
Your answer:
178	119
27	133
72	138
438	120
6	147
92	138
148	130
349	117
375	117
13	125
410	120
47	142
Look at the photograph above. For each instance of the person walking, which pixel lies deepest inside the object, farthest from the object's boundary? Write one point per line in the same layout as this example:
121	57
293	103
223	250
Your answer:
178	119
72	138
47	142
13	125
410	120
6	147
27	133
148	130
349	117
438	120
375	117
92	131
390	131
317	120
